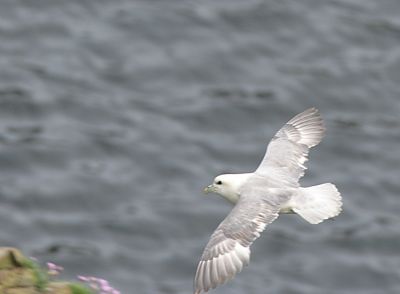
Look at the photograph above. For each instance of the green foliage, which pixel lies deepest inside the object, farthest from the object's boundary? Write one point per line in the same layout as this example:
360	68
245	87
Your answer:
42	279
40	276
30	272
80	289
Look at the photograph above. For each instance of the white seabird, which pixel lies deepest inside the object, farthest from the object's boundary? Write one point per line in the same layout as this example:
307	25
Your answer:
260	196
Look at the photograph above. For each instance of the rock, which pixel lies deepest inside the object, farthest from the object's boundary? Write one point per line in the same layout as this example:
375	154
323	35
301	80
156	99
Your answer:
17	277
10	258
25	290
58	288
20	275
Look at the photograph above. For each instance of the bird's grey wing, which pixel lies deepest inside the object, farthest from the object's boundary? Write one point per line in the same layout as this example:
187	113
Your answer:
288	150
228	248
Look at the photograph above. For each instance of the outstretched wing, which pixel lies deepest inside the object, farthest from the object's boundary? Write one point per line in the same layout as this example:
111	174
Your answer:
288	150
228	249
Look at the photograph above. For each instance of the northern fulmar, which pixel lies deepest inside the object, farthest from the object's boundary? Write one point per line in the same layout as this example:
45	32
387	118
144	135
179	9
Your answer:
260	197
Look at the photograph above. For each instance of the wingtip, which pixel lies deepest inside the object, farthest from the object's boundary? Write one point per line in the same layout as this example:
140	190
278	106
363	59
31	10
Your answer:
312	125
311	110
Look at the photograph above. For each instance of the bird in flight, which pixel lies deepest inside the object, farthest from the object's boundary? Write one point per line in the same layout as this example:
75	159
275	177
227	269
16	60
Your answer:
260	197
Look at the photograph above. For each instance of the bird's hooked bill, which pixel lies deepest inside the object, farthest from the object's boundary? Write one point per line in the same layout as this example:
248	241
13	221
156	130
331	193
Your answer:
208	189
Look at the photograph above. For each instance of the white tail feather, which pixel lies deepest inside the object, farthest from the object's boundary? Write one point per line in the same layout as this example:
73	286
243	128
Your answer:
318	203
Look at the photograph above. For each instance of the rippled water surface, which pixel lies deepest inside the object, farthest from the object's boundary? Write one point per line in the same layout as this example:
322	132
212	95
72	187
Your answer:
115	114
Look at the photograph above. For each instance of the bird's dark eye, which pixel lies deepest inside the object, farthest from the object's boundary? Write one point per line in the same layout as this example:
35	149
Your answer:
219	183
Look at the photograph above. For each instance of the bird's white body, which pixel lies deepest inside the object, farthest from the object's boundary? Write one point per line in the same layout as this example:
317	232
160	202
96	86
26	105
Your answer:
260	197
299	197
230	189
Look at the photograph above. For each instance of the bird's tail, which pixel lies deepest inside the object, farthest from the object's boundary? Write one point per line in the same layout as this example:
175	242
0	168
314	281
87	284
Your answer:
318	203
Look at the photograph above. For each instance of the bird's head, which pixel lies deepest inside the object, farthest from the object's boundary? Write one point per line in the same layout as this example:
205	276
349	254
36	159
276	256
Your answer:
228	186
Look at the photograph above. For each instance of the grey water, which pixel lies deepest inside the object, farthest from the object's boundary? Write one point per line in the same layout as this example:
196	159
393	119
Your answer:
115	114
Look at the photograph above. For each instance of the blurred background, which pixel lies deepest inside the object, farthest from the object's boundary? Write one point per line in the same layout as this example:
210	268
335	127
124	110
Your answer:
114	115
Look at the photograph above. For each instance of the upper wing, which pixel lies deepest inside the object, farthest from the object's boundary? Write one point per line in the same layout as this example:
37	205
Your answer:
288	150
228	248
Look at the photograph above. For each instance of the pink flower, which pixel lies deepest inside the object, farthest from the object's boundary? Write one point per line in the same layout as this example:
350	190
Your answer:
54	269
99	284
83	278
